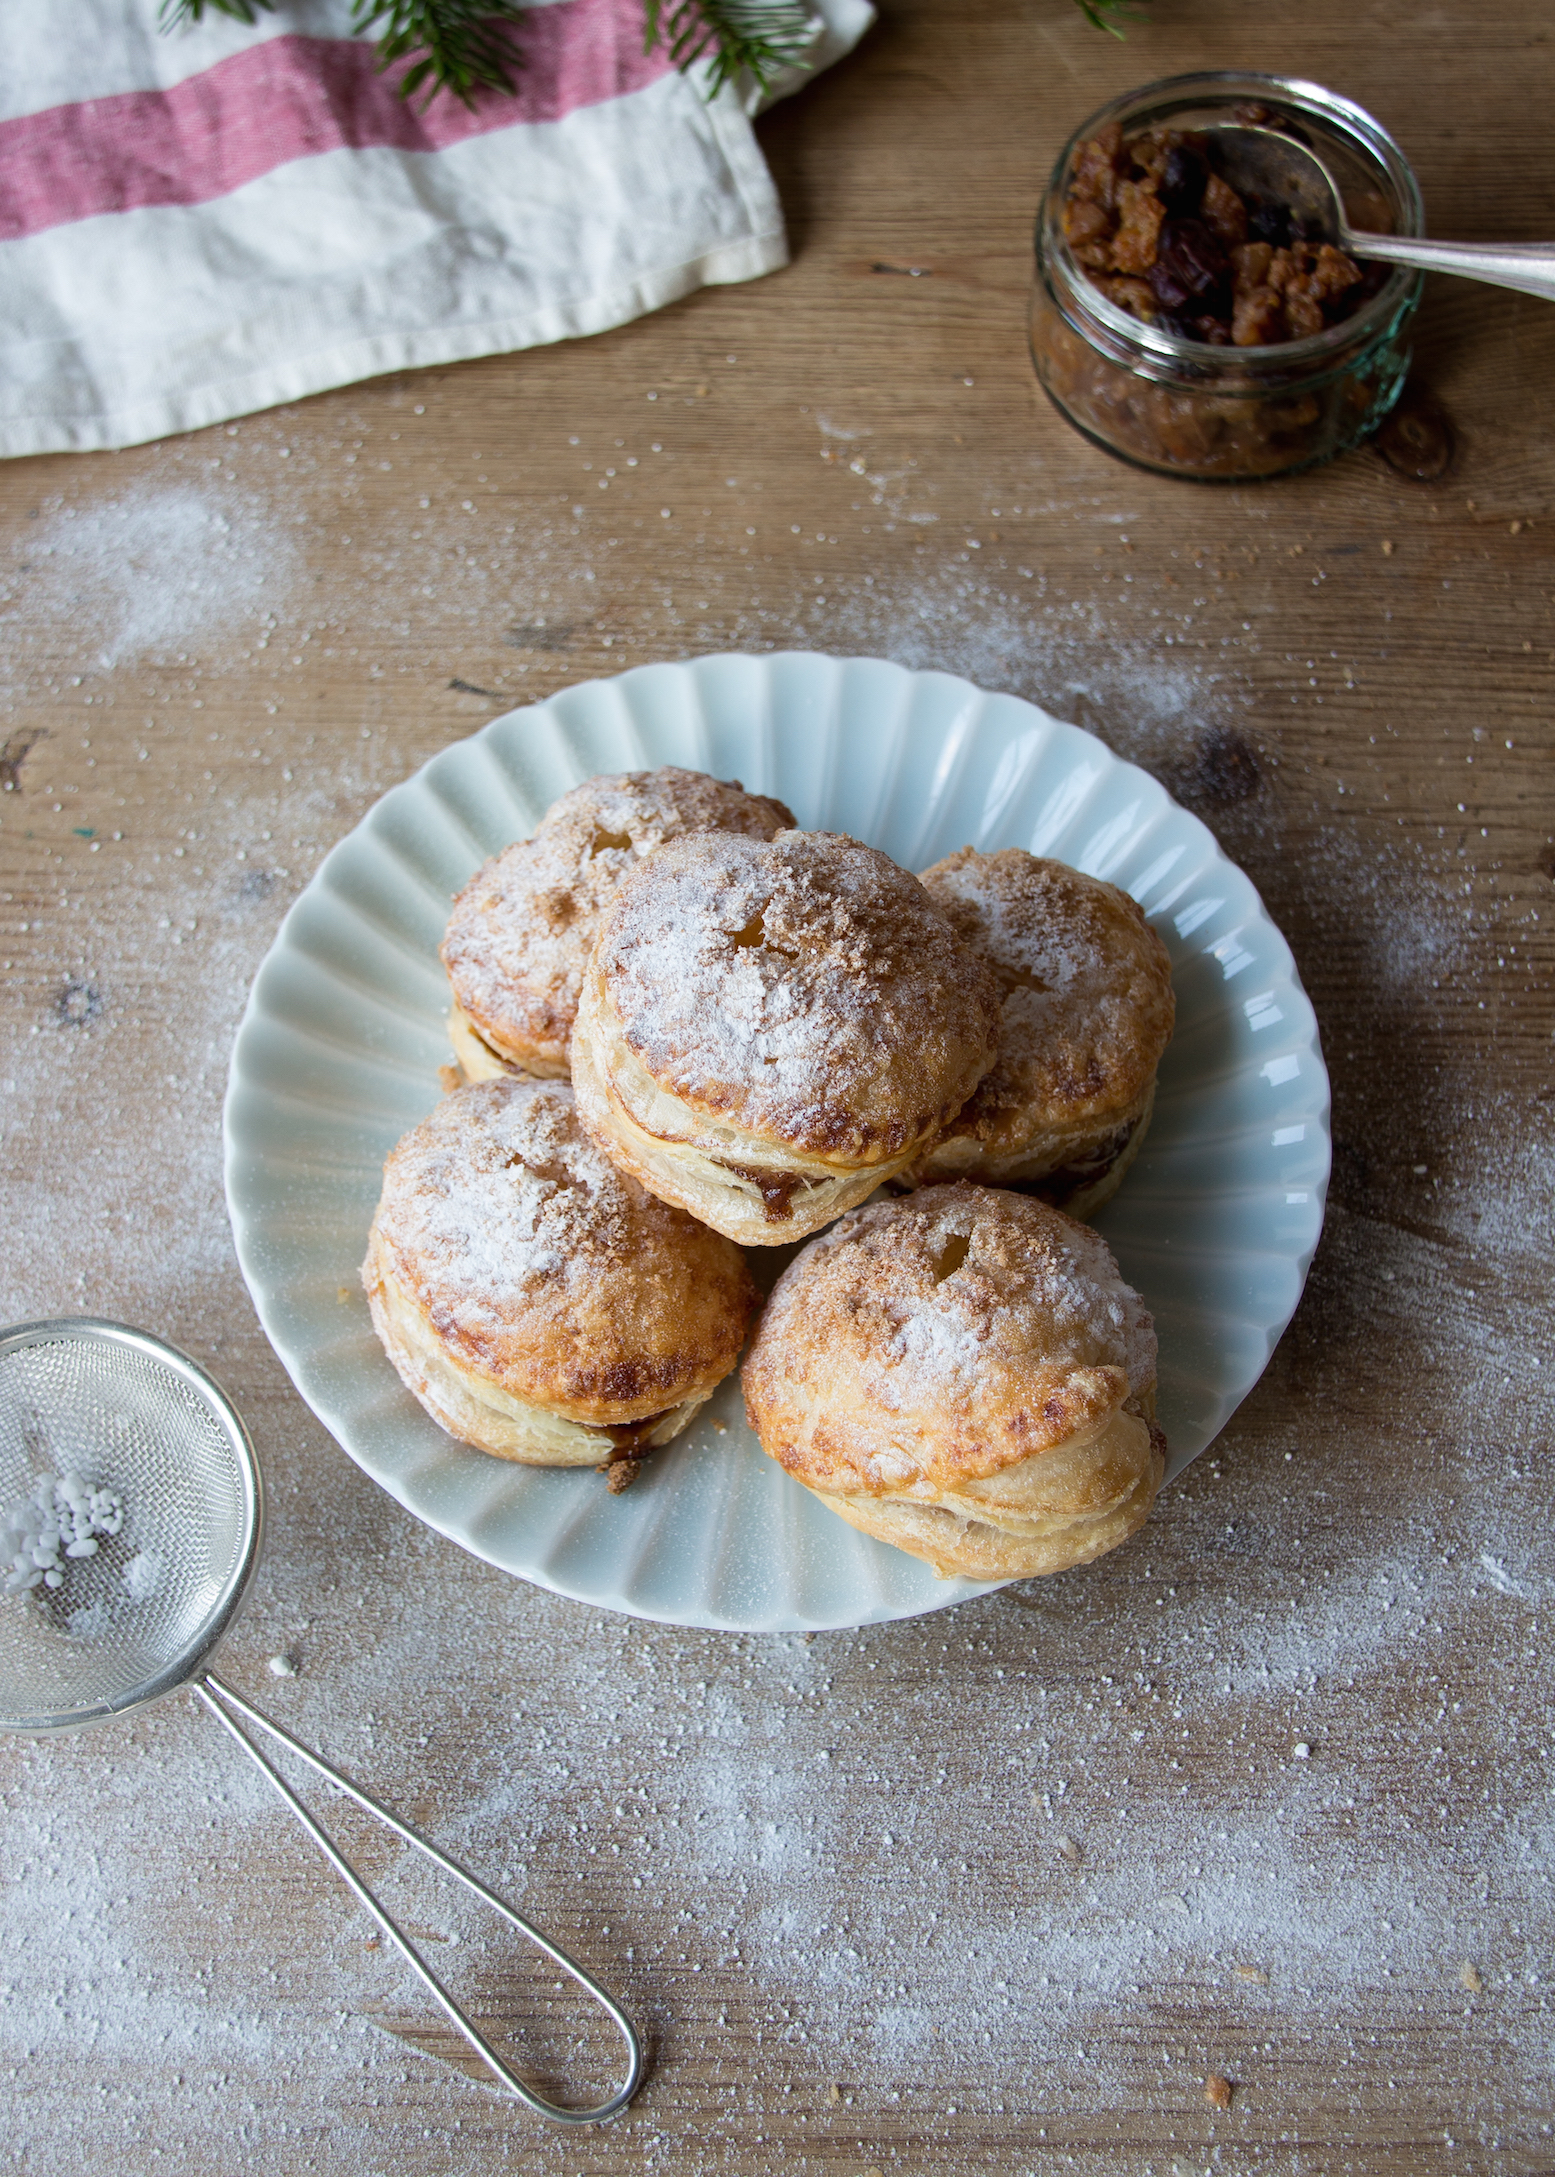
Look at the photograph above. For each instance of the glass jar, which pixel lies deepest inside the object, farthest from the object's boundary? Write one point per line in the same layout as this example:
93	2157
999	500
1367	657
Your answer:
1226	414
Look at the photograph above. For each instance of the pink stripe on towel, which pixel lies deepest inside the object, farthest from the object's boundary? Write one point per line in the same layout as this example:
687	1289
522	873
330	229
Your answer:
291	98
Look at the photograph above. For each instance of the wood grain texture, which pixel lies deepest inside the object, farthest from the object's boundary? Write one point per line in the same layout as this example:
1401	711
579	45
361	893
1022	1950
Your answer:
828	1875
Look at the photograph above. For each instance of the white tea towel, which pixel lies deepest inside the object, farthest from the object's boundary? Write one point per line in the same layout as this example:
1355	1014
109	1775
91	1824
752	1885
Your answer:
198	225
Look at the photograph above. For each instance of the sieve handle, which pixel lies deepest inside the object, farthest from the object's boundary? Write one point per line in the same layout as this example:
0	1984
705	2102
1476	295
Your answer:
209	1688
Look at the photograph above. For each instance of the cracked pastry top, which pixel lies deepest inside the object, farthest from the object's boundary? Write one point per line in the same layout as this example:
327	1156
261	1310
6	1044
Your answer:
963	1373
536	1300
1086	1011
520	934
770	1029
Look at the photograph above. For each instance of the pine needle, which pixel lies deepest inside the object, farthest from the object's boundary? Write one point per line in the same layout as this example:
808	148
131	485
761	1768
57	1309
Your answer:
174	12
760	36
1109	15
463	46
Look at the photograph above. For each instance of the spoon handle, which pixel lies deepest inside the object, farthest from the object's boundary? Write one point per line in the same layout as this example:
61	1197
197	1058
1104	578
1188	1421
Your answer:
1527	266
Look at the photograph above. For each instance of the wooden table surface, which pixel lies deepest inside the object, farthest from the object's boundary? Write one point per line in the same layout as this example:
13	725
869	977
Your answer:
1298	1734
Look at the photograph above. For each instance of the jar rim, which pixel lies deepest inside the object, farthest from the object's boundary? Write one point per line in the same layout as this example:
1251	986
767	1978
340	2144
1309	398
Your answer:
1159	351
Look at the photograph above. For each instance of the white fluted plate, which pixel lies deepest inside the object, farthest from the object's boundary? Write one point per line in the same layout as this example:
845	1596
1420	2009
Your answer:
339	1049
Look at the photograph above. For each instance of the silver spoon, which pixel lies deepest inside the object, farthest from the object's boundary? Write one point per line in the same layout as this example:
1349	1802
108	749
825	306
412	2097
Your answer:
1264	162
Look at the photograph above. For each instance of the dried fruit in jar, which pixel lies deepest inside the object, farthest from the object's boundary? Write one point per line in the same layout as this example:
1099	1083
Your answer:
1190	267
1224	212
1140	213
1167	238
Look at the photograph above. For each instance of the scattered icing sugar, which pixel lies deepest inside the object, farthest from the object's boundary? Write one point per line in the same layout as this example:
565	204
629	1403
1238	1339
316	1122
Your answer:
142	1574
817	1869
521	931
729	1831
916	1325
805	987
157	565
497	1192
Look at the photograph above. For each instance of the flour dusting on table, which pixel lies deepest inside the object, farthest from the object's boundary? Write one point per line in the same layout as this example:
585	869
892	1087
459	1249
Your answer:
852	1849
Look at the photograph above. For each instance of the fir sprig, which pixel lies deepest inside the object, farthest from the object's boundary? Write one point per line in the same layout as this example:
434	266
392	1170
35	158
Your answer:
173	13
465	46
757	36
1110	15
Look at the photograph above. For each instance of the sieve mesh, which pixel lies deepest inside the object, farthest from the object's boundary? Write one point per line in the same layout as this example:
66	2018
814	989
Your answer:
122	1413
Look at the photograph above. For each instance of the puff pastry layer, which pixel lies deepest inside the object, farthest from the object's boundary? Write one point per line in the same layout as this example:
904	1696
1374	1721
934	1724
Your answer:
536	1300
768	1030
963	1373
521	930
1086	1011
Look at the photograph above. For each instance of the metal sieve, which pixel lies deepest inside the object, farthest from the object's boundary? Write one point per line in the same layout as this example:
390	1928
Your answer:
141	1616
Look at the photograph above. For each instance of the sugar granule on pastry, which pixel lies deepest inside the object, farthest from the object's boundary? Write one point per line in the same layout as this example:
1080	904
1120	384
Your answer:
537	1301
963	1373
520	933
768	1030
1086	1011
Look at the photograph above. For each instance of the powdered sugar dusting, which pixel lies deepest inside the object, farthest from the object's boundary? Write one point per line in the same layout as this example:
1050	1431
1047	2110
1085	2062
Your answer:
976	1317
1068	655
522	929
940	1352
825	1874
1087	997
806	988
498	1203
770	1862
158	565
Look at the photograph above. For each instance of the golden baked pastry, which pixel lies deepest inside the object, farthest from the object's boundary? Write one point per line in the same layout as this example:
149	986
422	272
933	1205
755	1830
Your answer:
963	1373
521	930
538	1302
769	1030
1086	1011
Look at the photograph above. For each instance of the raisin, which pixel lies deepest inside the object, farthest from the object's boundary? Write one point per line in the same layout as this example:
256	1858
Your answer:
1181	185
1268	223
1190	265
